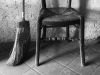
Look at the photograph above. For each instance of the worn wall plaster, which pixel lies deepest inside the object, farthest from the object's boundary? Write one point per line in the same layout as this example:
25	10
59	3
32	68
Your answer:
10	15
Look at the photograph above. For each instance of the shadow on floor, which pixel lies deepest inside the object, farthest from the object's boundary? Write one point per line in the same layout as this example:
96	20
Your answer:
7	45
57	54
94	60
31	52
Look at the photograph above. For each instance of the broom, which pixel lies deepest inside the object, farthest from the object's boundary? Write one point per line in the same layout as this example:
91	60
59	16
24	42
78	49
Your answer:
22	41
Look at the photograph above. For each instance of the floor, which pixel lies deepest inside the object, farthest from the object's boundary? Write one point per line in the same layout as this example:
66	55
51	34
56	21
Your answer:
56	58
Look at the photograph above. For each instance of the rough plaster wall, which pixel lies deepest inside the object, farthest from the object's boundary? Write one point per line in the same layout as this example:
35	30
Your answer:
10	15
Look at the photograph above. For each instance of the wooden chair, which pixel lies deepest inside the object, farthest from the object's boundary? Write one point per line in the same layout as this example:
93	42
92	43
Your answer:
59	17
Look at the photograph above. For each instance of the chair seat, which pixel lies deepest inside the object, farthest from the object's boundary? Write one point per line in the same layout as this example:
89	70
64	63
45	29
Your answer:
61	19
61	16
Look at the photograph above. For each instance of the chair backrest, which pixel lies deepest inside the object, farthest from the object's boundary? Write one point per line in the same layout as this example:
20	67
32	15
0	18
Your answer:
44	3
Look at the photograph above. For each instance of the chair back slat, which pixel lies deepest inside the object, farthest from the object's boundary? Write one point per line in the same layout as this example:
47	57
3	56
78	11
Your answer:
43	3
69	3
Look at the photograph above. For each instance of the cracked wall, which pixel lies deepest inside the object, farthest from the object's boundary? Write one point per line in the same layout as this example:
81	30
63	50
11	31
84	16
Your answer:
10	15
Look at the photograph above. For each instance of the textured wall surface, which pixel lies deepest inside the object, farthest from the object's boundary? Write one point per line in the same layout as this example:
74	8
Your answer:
10	15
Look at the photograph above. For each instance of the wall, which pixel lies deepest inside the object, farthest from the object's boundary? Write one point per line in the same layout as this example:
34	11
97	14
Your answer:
10	15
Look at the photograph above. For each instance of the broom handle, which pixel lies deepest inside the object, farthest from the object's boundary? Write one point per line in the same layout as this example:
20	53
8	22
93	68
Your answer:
23	9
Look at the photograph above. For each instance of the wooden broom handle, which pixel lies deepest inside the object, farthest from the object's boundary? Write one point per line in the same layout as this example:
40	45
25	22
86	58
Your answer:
23	9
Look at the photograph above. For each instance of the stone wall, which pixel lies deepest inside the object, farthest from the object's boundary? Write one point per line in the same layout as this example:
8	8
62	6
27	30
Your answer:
10	15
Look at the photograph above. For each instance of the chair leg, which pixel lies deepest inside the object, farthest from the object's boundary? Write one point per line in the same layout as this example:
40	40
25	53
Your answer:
38	36
67	34
44	32
81	36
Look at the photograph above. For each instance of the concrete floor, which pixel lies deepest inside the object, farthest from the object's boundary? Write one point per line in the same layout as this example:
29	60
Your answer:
56	58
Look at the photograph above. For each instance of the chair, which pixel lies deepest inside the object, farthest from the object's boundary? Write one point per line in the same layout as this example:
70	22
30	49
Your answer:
59	17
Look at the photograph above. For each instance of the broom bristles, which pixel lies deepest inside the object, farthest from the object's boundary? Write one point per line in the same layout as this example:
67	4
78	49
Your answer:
21	45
